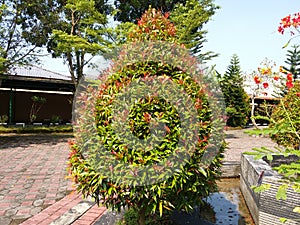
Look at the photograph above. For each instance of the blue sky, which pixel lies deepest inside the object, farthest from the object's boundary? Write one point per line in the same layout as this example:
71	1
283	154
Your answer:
249	29
246	28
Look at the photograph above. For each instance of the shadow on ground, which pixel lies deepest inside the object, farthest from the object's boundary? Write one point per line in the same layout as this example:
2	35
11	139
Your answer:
25	140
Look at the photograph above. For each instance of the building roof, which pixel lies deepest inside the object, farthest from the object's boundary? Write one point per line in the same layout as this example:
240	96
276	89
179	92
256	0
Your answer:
37	72
36	78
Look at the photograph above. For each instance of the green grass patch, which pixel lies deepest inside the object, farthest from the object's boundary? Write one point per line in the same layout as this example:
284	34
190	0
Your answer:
265	131
37	129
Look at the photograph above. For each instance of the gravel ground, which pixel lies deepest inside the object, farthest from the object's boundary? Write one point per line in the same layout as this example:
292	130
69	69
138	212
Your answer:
239	142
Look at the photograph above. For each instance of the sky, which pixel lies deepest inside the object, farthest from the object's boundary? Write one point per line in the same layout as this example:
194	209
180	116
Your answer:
246	28
249	29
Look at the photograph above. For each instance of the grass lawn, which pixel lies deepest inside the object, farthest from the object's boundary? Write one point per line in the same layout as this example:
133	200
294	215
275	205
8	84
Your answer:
37	129
265	131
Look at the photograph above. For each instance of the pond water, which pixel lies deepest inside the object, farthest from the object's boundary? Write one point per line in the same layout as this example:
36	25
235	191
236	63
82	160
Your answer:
227	207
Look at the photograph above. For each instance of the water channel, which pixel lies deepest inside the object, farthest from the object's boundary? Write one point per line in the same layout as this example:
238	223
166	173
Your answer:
227	207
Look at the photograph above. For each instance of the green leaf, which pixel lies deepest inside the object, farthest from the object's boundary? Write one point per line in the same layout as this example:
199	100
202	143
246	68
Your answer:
269	157
281	193
287	44
261	188
159	191
160	208
296	209
283	220
201	170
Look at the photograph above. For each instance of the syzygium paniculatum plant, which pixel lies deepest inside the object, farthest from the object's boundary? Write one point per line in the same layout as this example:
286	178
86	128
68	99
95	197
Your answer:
148	133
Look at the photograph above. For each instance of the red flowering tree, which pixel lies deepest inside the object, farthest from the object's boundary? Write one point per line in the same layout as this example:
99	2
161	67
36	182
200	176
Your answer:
285	123
285	119
286	116
290	23
263	83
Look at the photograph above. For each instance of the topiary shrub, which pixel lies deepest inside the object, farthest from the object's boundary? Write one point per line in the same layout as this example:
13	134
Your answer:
148	133
286	120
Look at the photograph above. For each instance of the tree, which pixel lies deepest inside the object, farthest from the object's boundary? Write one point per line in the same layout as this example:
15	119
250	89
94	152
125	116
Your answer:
236	99
292	70
188	17
73	30
293	62
37	103
80	37
15	26
132	10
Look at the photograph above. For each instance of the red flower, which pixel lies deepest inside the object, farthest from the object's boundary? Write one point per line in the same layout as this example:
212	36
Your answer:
147	117
289	84
286	21
140	23
289	77
257	79
280	29
296	20
167	14
265	85
276	77
298	94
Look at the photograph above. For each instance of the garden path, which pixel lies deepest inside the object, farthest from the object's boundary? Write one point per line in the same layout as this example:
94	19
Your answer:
33	184
239	142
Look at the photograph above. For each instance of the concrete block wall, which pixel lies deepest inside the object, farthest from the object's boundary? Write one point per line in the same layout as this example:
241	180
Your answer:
264	207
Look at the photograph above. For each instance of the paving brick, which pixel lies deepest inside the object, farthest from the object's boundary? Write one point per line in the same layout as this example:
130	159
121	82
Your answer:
34	179
28	203
2	213
25	170
11	212
23	212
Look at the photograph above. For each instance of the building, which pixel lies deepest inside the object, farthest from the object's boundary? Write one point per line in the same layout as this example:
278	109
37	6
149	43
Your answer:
22	83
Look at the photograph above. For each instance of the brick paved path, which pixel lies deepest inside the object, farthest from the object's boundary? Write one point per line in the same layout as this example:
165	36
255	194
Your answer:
33	187
239	142
32	174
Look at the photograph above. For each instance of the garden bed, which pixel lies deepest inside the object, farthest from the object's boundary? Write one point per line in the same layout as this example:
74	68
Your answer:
264	207
279	159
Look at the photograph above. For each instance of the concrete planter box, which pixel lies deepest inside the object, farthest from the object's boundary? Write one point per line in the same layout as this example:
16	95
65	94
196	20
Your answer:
264	207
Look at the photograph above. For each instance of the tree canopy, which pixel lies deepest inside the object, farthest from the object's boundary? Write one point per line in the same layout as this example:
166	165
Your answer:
68	29
81	36
132	10
189	19
78	30
236	99
293	62
17	26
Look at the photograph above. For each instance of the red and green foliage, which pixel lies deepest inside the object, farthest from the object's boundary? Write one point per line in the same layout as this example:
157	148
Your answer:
154	26
188	180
